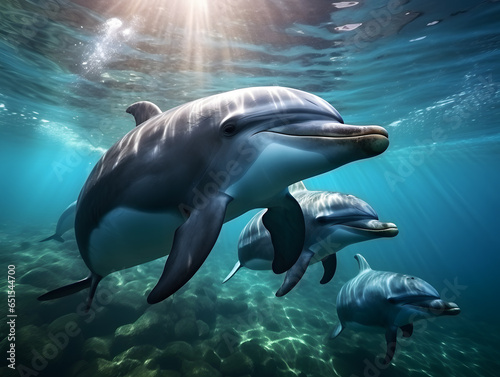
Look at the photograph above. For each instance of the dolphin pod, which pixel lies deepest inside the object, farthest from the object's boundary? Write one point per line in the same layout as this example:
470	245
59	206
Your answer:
332	221
388	300
168	185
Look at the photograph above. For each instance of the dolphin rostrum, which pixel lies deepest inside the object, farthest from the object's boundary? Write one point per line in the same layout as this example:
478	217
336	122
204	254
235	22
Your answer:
332	220
389	300
168	185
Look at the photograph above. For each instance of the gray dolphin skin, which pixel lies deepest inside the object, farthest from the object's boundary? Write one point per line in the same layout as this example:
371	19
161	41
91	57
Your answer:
142	111
389	300
66	222
169	184
332	220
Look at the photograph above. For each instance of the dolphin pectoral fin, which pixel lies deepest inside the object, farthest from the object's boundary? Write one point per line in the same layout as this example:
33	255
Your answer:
67	289
54	237
391	340
192	243
285	223
330	266
294	274
93	286
407	330
90	281
235	269
337	331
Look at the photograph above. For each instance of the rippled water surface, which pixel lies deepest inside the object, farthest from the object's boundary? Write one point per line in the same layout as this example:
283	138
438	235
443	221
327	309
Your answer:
427	71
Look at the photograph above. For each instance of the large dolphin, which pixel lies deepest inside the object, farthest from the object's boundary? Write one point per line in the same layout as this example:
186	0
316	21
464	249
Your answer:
66	222
389	300
169	184
332	220
141	111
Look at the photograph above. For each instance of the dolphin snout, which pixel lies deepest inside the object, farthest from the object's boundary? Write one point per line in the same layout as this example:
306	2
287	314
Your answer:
323	128
369	141
389	229
365	130
374	228
378	145
373	140
440	307
451	309
333	129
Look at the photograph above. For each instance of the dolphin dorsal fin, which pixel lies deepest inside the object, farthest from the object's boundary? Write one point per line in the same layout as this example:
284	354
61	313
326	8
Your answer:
142	111
299	186
363	264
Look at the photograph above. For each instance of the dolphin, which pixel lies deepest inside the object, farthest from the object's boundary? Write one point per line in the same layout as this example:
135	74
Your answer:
389	300
66	222
167	186
332	220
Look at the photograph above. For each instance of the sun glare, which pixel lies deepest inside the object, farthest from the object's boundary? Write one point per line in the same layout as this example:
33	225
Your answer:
197	36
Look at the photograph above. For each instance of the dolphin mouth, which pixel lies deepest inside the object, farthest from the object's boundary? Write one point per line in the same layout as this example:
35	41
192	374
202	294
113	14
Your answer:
369	140
432	305
372	226
322	128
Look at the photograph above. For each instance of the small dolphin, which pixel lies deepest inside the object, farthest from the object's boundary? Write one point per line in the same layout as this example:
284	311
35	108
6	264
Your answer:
389	300
333	221
169	184
66	222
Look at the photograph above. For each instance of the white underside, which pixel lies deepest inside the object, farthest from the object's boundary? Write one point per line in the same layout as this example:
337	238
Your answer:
359	327
329	244
270	171
259	264
127	237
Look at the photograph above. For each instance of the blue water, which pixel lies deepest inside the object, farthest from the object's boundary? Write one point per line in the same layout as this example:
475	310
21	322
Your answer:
426	71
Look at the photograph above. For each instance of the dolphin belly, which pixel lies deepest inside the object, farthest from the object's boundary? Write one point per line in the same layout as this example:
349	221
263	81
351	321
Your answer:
127	237
259	264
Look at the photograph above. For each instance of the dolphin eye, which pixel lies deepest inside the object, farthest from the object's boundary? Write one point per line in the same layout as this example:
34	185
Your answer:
229	129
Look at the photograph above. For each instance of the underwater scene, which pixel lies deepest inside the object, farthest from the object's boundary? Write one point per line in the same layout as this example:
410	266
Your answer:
211	188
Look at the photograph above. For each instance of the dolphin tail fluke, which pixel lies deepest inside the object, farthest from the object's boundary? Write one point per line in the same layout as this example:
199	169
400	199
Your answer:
391	339
235	269
294	274
285	223
337	331
192	243
67	289
330	266
54	237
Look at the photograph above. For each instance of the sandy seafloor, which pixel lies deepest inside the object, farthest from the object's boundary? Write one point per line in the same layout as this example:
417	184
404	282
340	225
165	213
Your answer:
209	329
